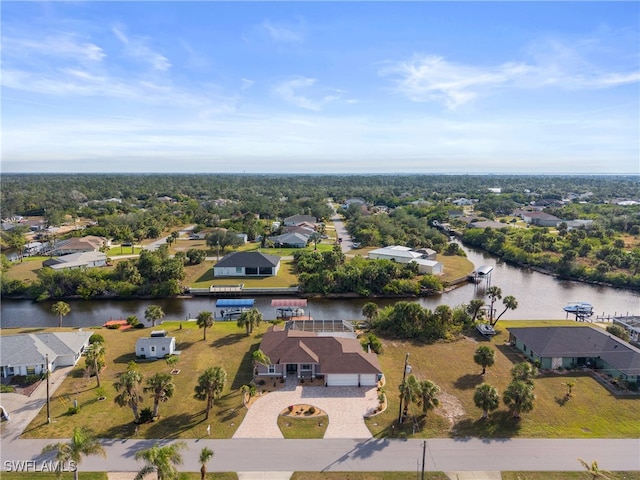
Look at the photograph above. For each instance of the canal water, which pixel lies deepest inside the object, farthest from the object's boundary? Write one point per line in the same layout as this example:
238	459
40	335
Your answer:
539	296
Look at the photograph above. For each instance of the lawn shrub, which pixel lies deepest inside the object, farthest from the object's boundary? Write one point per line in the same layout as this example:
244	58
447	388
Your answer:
96	338
72	410
146	415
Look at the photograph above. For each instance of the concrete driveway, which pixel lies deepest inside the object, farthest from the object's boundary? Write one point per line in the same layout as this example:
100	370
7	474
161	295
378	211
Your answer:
345	407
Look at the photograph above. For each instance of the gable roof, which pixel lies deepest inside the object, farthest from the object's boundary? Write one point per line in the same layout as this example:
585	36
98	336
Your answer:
291	238
300	219
334	354
397	252
581	342
79	259
248	259
31	348
155	341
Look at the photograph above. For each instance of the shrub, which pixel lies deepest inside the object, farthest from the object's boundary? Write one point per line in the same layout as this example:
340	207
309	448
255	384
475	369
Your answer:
96	338
31	379
139	325
113	326
312	410
146	415
73	410
6	388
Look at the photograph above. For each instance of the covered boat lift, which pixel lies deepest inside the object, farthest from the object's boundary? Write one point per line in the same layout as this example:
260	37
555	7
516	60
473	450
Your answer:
289	307
234	307
483	272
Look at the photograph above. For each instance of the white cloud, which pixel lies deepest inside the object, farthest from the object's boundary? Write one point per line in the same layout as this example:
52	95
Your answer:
137	48
289	91
246	84
284	34
63	45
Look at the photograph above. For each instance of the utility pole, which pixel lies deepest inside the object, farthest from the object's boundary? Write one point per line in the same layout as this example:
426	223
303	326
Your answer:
404	376
424	454
46	359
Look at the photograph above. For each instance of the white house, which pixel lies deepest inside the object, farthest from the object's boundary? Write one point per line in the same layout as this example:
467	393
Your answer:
77	260
158	345
26	354
402	254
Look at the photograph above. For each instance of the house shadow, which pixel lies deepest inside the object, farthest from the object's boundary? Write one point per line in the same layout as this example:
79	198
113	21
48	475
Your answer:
126	358
468	381
206	277
500	424
244	375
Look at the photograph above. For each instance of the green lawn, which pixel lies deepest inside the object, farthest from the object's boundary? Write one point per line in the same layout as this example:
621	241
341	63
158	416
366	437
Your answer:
26	269
301	427
285	278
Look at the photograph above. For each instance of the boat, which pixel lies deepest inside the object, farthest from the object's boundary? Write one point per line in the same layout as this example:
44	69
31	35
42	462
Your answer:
289	312
289	307
234	307
579	308
485	329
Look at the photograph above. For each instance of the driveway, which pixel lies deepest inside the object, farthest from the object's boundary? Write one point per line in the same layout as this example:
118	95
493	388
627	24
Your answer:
345	406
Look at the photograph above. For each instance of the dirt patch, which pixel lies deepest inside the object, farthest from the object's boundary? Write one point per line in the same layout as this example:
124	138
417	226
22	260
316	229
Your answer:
450	407
302	410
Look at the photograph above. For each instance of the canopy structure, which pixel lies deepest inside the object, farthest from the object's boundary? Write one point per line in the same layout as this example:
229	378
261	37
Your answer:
289	302
235	302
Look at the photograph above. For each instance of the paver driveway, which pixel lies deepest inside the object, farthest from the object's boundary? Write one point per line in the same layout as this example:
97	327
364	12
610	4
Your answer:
345	406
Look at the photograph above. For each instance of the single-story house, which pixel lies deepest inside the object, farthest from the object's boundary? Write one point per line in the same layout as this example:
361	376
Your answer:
158	345
298	219
77	260
293	240
401	254
90	243
488	224
570	347
540	219
26	354
340	360
243	264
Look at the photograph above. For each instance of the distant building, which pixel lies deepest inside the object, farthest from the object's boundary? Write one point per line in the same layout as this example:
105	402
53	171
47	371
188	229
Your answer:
631	324
541	219
77	260
90	243
247	264
402	254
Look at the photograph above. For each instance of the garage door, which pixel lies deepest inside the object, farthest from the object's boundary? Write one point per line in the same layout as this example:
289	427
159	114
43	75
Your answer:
342	379
368	379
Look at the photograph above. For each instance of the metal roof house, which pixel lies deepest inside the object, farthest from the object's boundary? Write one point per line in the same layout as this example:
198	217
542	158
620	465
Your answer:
401	254
244	264
570	347
26	354
340	360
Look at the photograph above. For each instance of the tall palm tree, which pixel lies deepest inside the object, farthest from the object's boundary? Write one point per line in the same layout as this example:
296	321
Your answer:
494	293
524	372
206	454
428	395
162	460
370	310
82	443
128	386
594	470
250	319
210	386
510	303
153	313
95	359
162	387
204	321
486	398
475	309
61	309
485	357
519	397
409	393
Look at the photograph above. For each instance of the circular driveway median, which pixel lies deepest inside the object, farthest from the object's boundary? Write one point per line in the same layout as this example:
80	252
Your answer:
345	407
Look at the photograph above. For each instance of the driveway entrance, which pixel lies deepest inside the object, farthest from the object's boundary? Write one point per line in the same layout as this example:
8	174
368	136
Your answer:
345	407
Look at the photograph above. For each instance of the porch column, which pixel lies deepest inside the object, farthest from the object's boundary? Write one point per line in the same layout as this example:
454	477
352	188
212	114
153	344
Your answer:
299	374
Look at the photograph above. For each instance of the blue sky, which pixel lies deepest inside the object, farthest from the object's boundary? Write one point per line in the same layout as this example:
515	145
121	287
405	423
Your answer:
315	87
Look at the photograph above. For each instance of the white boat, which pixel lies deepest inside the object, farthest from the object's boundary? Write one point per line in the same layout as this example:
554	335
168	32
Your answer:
288	312
485	329
579	308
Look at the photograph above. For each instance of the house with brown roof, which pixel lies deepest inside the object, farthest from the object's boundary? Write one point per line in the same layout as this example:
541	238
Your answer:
339	360
89	243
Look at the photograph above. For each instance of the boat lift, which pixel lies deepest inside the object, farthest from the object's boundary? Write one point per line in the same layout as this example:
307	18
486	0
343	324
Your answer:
582	310
234	307
287	308
482	273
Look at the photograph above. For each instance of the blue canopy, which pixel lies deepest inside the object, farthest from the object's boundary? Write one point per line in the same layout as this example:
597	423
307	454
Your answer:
235	302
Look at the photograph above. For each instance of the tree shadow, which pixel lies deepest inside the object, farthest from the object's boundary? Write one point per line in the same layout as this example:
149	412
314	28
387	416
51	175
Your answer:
468	381
126	358
172	426
228	340
244	375
562	401
500	424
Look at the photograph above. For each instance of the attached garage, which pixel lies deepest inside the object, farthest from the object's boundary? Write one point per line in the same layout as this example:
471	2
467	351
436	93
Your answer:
342	380
368	380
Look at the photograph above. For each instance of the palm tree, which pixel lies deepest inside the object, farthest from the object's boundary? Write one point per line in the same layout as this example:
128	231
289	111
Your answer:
524	372
486	398
427	395
206	454
95	359
162	387
132	320
519	397
128	386
409	393
475	309
260	358
162	460
494	293
153	313
570	384
510	303
250	319
370	310
594	470
204	321
61	309
82	443
485	357
210	386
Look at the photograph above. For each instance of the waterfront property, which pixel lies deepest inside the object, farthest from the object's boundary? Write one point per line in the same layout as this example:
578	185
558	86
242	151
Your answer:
400	254
245	264
77	260
631	324
158	345
338	359
27	354
570	347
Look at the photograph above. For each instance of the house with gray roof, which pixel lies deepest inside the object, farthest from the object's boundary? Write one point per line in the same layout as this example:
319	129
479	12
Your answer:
340	360
570	347
298	219
245	264
157	345
26	354
77	260
291	240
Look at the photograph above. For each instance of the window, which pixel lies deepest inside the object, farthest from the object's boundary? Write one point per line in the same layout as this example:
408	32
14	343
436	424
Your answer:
271	369
163	349
142	349
31	370
238	269
305	366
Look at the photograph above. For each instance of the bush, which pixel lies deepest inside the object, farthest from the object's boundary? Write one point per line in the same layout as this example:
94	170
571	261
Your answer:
31	379
96	338
73	410
139	325
312	410
113	326
146	415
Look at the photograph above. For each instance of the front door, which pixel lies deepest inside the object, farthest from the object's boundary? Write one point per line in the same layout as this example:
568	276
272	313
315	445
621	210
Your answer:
292	368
